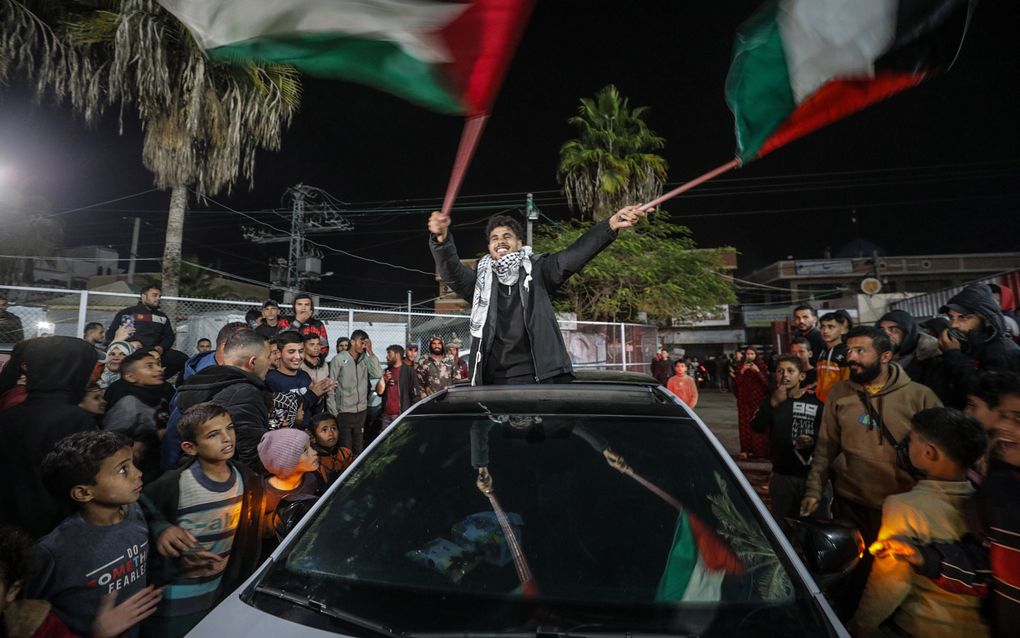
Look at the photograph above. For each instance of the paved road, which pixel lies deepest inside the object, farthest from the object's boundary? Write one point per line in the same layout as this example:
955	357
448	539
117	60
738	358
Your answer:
719	412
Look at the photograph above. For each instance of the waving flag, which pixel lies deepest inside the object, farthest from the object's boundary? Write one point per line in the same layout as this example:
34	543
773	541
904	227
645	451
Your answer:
447	56
698	562
799	65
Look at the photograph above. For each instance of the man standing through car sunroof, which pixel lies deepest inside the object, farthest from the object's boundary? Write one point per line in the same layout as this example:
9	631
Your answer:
515	336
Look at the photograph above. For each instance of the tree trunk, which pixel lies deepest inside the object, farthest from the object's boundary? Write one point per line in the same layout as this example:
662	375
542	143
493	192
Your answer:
172	248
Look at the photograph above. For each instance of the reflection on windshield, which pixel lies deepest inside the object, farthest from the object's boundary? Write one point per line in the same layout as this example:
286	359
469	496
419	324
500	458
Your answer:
592	510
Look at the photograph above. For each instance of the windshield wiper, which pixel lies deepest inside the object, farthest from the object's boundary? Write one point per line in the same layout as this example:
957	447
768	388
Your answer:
320	607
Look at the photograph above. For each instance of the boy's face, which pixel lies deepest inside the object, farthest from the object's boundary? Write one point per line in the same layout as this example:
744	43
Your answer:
326	434
977	408
118	481
291	355
801	352
312	348
214	440
1006	430
787	375
93	402
831	331
680	369
146	372
309	461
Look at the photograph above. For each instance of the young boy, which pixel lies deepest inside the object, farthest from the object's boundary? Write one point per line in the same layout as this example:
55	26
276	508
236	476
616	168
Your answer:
103	548
683	386
289	377
293	464
987	561
832	365
333	458
218	502
144	395
314	363
793	417
93	402
943	443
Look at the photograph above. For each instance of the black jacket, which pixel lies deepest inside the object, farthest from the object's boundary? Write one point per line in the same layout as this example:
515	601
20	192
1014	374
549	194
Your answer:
409	386
990	348
58	369
549	272
152	327
243	395
160	500
919	356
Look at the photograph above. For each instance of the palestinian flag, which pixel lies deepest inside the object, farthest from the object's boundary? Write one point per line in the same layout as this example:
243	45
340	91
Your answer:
697	563
447	56
799	65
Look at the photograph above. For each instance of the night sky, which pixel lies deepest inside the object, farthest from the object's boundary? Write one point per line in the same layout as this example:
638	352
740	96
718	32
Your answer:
931	170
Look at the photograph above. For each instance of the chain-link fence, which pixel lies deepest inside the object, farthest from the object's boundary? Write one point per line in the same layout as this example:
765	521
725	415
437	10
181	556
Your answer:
592	345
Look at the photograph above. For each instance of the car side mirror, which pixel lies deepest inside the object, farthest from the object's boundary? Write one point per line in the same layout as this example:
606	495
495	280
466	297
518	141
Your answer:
830	549
290	512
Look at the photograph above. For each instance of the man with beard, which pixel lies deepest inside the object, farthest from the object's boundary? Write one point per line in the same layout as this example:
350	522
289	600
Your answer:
805	319
152	329
976	340
866	417
437	370
516	338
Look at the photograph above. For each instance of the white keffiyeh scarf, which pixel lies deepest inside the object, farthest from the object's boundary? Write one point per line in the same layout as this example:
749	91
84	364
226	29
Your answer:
508	271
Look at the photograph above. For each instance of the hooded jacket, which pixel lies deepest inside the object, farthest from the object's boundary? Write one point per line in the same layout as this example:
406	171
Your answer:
549	272
989	348
170	446
57	370
919	355
851	448
243	395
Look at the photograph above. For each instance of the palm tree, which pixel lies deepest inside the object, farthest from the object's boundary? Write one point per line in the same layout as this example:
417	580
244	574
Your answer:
610	164
203	121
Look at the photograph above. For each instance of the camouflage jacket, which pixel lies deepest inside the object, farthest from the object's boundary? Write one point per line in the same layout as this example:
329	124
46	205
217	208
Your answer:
436	375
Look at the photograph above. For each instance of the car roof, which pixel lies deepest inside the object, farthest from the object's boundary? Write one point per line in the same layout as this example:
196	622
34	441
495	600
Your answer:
635	396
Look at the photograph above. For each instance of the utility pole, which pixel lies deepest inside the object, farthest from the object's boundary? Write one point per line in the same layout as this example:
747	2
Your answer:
533	213
311	214
134	251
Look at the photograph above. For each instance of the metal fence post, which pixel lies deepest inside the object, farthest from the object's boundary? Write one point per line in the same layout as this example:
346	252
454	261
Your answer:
623	345
83	308
350	323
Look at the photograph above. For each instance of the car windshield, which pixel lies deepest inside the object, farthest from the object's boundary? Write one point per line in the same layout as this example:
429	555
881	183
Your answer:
519	513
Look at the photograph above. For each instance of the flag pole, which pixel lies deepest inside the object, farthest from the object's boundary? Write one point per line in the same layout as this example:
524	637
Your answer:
686	186
473	127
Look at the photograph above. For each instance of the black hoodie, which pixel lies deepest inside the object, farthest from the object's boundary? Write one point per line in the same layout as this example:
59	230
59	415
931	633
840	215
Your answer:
919	356
990	348
243	395
57	370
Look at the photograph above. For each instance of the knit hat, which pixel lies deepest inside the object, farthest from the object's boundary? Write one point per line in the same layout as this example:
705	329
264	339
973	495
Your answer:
123	346
281	450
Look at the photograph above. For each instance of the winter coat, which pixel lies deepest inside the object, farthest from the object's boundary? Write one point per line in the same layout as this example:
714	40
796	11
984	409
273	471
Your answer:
152	327
170	446
58	370
920	357
243	395
851	448
549	272
409	386
989	348
351	375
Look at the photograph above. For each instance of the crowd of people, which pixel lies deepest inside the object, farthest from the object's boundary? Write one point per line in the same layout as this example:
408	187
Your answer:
908	429
148	484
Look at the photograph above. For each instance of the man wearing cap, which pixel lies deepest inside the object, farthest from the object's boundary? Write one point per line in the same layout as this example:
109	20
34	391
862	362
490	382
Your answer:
271	322
460	367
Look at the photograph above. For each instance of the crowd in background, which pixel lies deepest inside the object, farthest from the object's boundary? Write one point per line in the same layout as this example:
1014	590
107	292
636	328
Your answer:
145	484
908	430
